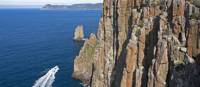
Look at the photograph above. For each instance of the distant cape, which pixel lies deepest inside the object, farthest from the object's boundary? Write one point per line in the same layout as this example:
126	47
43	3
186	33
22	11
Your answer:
86	6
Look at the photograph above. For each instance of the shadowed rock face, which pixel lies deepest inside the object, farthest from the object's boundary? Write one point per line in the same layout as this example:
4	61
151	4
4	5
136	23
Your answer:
146	43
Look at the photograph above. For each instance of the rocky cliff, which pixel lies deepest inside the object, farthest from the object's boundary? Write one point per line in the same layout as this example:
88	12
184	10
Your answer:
144	43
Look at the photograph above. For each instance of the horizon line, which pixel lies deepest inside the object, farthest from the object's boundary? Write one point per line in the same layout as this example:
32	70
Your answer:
45	4
36	6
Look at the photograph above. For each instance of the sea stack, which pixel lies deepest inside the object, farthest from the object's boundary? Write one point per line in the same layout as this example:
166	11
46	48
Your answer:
79	33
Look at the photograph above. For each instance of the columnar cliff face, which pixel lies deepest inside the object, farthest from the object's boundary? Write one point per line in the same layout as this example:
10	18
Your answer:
145	43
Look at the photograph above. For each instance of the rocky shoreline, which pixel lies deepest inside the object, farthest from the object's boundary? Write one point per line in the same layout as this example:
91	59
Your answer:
143	43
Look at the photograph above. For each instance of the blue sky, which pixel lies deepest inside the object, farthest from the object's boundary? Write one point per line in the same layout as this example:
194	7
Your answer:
42	2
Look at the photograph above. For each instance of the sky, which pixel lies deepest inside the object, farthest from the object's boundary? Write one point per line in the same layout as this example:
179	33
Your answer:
43	2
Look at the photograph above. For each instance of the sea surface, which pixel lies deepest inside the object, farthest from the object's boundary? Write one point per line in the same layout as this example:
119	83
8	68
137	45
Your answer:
36	46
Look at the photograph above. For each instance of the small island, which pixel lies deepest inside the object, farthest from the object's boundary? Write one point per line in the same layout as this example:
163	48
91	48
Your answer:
86	6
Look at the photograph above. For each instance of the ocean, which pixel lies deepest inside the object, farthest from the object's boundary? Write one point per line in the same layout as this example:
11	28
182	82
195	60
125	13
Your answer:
33	41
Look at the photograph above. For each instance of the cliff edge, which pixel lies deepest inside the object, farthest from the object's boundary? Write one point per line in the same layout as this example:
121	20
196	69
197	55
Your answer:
144	43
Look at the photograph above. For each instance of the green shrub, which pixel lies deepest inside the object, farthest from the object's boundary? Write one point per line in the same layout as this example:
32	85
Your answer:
196	3
179	62
141	24
195	16
137	32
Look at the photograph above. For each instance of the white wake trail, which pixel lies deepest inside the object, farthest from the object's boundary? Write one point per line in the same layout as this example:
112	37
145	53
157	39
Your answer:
48	79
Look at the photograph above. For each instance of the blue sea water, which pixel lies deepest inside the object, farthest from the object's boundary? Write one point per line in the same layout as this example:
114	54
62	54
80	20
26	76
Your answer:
33	41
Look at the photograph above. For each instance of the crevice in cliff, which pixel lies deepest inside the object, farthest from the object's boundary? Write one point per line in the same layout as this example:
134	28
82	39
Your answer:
170	14
115	39
115	31
150	43
171	64
93	69
121	58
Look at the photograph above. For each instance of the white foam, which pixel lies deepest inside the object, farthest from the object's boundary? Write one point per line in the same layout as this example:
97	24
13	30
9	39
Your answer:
48	79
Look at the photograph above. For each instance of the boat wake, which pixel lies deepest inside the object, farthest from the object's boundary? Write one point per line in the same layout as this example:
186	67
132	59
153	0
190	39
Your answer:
48	79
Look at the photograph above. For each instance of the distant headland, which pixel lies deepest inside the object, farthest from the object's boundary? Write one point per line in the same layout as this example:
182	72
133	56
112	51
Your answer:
86	6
